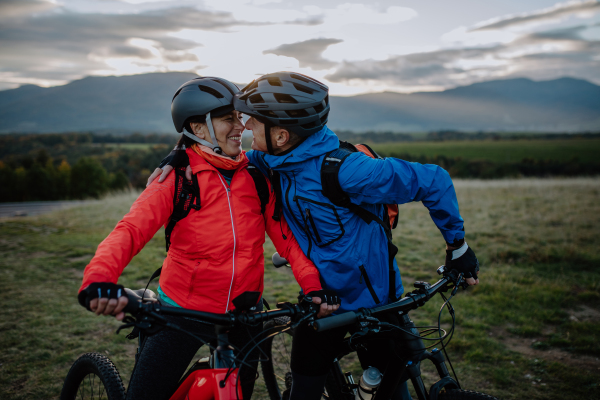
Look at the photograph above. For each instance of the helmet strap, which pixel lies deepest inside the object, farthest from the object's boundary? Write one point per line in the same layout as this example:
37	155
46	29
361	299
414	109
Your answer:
203	142
197	139
268	127
209	124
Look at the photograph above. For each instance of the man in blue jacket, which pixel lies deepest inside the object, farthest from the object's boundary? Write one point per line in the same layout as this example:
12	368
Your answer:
288	114
292	144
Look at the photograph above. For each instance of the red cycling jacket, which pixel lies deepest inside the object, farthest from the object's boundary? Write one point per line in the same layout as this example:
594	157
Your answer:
216	252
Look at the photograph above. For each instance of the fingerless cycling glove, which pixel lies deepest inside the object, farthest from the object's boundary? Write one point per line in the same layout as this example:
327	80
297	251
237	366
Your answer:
100	290
327	296
463	260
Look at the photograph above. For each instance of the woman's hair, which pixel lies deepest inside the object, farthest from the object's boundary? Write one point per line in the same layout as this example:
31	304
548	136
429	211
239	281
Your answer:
184	140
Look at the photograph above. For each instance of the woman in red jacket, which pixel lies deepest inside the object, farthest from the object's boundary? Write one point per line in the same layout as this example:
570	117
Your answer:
216	252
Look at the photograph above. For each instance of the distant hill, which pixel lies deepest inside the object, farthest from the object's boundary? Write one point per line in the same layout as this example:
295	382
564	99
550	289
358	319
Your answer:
141	103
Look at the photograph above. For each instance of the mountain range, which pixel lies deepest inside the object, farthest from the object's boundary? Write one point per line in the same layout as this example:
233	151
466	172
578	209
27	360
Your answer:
141	103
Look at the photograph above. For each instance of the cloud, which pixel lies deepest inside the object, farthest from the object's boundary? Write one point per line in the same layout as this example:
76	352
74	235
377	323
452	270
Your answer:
558	11
539	55
308	53
18	8
59	45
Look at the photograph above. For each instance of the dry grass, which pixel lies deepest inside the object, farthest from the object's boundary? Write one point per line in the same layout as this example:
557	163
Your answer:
538	300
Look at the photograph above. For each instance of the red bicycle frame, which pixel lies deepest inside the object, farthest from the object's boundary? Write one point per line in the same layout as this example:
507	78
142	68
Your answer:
206	385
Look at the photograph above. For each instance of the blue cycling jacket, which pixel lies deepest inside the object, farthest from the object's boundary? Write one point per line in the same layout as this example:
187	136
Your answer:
351	255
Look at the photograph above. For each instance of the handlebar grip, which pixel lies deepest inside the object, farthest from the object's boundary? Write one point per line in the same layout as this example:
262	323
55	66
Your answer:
133	306
335	321
278	261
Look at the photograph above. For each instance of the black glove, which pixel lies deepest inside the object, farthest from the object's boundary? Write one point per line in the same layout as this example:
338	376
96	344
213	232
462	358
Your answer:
100	290
176	158
463	260
327	296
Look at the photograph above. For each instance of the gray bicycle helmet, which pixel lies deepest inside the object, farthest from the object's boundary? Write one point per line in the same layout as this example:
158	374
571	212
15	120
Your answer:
202	97
290	100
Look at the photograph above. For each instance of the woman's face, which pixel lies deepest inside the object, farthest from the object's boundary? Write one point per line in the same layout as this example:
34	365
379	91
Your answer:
228	130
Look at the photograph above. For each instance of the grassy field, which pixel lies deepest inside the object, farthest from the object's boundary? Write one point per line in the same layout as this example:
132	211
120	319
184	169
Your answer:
499	151
531	329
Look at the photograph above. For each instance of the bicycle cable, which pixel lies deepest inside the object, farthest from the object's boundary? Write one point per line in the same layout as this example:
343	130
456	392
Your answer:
443	345
243	360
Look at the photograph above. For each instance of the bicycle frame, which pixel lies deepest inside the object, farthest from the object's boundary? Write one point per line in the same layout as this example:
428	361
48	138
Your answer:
216	379
406	368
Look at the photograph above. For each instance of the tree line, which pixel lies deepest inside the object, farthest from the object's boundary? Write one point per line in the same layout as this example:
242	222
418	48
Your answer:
38	167
459	167
43	180
41	167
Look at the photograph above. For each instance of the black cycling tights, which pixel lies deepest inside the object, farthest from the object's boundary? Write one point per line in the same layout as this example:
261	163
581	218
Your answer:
166	355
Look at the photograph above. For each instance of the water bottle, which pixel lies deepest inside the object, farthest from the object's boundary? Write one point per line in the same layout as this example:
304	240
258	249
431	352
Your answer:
369	382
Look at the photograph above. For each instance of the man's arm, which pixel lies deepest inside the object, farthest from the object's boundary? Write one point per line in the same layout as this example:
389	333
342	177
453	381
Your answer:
391	180
388	181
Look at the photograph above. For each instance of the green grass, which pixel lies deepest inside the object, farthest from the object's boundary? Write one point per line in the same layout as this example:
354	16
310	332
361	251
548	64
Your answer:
499	151
529	330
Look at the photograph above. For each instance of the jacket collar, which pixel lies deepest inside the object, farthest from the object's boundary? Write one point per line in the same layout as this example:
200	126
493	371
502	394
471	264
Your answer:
314	146
198	163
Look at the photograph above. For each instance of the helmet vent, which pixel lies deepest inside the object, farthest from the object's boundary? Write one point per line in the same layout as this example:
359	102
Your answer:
268	113
210	90
284	98
299	77
176	94
297	113
324	118
288	122
303	88
318	108
256	98
226	87
326	99
250	86
274	81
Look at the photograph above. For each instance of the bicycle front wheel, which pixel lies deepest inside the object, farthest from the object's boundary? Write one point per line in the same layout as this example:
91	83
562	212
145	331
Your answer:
93	376
459	394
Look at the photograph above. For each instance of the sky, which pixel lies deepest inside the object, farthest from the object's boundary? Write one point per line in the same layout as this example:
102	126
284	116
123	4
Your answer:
352	46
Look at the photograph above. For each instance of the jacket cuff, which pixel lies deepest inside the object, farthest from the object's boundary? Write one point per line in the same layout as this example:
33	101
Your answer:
311	283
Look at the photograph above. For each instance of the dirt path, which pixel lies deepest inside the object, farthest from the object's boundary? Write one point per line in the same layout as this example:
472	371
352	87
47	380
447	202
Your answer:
524	345
24	209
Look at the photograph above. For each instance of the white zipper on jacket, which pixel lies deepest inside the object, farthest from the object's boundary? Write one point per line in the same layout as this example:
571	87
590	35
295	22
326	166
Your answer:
228	190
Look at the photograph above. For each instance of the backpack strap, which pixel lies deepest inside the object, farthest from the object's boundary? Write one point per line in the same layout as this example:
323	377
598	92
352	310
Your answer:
262	187
185	198
332	189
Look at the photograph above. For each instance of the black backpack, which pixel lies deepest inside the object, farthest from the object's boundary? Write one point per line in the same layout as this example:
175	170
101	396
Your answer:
333	191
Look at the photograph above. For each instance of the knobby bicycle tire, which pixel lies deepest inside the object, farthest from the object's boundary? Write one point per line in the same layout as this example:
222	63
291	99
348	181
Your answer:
459	394
276	364
93	376
276	369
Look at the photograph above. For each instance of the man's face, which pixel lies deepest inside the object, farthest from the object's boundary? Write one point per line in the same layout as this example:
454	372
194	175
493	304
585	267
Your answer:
258	134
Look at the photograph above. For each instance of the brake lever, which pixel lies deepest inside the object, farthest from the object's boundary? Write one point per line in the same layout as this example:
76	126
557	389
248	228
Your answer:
459	282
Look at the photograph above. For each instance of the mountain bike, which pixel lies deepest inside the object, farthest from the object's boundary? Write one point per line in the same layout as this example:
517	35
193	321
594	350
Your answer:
94	376
366	326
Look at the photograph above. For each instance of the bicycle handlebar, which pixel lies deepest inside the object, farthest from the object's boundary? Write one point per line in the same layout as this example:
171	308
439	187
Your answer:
226	320
412	301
